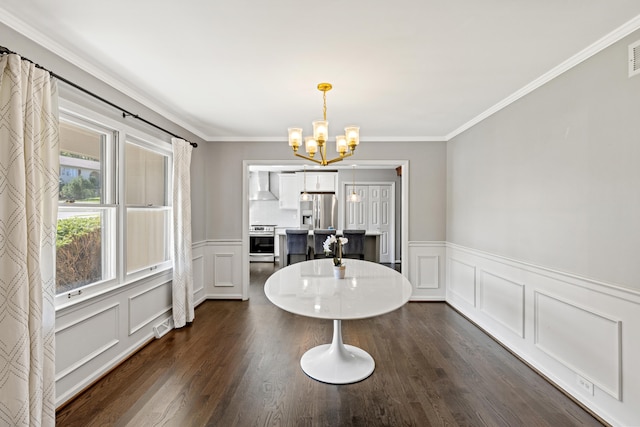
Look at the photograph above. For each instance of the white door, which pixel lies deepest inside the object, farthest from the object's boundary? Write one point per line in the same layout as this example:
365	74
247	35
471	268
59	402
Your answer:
373	208
375	212
356	213
386	225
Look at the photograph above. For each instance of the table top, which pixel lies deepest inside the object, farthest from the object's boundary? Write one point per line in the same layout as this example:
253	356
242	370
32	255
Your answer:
309	289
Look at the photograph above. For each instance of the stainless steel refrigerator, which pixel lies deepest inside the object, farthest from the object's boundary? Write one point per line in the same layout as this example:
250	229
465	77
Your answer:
320	212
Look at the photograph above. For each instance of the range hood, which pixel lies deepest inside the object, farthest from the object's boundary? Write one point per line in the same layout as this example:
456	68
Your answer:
259	186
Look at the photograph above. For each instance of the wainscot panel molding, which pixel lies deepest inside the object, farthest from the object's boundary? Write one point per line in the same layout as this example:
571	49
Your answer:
427	270
148	305
580	333
503	300
198	277
101	331
222	269
596	352
462	286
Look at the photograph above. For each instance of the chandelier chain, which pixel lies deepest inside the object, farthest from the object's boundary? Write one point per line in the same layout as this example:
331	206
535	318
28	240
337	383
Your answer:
324	105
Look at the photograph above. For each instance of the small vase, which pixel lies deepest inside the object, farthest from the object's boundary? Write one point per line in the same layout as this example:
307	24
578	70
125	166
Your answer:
338	271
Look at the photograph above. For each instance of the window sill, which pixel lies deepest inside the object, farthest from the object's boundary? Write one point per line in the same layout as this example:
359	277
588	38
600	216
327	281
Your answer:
104	290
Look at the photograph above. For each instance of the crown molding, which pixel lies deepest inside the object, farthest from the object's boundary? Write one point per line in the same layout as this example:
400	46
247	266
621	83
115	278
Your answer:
404	139
21	27
365	139
588	52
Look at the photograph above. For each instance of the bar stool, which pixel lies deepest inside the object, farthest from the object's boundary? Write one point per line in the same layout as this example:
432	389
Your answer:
355	245
297	245
319	237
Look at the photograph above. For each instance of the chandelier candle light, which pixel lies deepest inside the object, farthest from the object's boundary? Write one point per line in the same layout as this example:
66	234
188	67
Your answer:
345	144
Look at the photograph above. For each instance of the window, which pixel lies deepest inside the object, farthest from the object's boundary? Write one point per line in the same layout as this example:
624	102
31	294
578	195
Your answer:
114	223
85	249
148	211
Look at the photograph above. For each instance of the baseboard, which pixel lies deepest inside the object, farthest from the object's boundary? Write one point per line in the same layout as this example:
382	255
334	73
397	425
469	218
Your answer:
224	296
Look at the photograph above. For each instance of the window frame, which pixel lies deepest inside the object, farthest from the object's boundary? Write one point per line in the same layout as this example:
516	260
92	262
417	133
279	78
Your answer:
142	141
95	119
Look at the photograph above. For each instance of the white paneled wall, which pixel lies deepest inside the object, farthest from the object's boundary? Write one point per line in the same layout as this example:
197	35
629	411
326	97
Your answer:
581	334
96	334
223	269
427	270
502	299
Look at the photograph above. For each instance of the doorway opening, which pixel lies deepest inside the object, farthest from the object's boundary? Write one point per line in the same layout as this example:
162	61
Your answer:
366	175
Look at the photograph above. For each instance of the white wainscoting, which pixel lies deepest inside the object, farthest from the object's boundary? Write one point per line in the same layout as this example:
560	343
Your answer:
503	300
427	270
462	286
96	334
100	331
148	305
198	277
223	269
572	329
595	354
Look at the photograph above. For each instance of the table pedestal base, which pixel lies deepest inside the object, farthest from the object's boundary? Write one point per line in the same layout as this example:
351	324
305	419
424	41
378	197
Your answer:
337	363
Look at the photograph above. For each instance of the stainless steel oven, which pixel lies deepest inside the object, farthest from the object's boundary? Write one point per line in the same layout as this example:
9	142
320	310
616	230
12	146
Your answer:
262	243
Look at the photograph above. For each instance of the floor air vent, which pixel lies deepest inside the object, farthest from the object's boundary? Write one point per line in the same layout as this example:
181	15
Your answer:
161	329
634	59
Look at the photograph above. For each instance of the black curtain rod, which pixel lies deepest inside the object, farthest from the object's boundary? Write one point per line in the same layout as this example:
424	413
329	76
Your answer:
125	113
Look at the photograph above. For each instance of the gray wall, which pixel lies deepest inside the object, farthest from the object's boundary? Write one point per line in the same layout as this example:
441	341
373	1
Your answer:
554	179
427	182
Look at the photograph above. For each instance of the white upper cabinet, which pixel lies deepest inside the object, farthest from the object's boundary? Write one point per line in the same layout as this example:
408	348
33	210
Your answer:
289	191
319	181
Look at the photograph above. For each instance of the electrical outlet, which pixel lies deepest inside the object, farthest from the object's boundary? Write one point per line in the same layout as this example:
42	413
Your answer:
585	384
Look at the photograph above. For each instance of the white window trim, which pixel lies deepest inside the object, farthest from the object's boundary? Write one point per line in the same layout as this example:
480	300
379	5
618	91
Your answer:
74	112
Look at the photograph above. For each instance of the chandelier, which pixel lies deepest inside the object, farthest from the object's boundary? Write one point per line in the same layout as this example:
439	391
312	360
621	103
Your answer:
345	144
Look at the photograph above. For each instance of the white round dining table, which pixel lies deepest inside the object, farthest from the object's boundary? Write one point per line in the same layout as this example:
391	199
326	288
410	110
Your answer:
310	289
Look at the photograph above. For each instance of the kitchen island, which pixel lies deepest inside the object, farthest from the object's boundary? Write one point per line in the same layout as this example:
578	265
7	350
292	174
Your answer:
371	245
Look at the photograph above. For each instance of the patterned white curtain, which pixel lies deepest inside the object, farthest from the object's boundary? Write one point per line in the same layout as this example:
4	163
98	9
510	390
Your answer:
29	172
183	310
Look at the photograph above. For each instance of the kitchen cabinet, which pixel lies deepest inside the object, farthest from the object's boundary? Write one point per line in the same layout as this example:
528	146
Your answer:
319	181
289	191
276	249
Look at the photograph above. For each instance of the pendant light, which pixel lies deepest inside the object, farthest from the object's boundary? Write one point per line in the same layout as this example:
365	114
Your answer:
304	196
354	197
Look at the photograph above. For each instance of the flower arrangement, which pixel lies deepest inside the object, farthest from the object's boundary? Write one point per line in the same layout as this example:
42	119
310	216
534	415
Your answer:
338	242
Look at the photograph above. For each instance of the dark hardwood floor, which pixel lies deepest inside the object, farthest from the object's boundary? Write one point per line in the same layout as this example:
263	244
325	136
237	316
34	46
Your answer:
238	365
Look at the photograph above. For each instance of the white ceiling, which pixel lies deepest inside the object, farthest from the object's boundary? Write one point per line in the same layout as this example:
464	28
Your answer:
246	70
